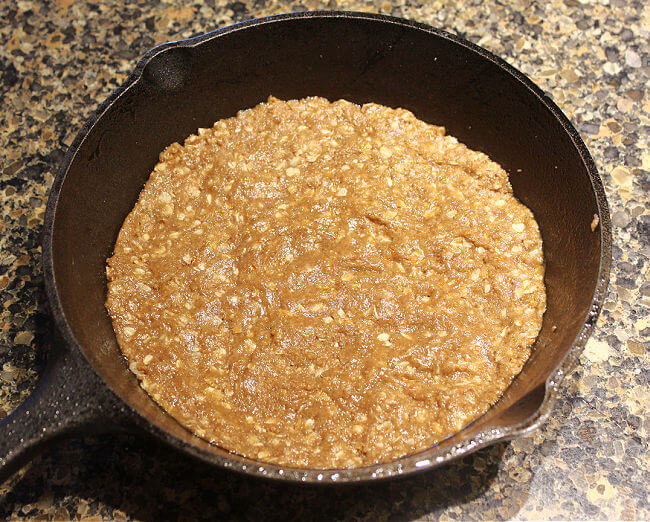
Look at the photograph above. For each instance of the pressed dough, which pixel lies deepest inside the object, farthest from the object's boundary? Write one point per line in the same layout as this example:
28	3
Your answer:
324	285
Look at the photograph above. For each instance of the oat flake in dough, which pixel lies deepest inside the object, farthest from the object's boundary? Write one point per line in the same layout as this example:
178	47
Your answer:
322	285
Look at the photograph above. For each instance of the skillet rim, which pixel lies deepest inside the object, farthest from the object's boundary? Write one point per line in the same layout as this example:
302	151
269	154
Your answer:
407	465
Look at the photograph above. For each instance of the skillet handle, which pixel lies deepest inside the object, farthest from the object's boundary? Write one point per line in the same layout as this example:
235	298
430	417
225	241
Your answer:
69	398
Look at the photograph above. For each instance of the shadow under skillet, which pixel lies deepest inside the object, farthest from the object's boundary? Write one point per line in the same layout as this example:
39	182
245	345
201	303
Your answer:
28	312
146	480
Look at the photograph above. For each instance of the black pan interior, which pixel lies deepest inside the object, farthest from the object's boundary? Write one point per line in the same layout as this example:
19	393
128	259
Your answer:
361	60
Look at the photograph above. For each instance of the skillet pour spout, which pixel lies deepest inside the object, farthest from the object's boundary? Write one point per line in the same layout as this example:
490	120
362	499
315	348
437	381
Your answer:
181	86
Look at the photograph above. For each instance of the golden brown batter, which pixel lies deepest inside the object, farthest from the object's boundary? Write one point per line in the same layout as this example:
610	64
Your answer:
324	285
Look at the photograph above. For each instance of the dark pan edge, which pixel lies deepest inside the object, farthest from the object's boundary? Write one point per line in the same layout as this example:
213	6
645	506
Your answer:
424	460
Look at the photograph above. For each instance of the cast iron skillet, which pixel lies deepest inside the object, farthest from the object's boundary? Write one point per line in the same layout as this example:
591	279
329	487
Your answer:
183	85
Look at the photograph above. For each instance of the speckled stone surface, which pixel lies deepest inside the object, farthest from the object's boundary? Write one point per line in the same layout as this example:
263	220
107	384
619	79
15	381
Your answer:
59	59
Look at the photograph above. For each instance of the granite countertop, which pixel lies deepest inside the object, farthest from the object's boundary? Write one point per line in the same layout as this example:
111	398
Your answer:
59	59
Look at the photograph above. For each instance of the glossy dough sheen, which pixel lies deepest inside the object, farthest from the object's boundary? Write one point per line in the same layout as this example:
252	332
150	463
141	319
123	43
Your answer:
321	284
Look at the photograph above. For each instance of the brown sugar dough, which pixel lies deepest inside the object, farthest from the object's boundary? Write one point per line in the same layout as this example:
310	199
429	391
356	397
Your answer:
323	285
